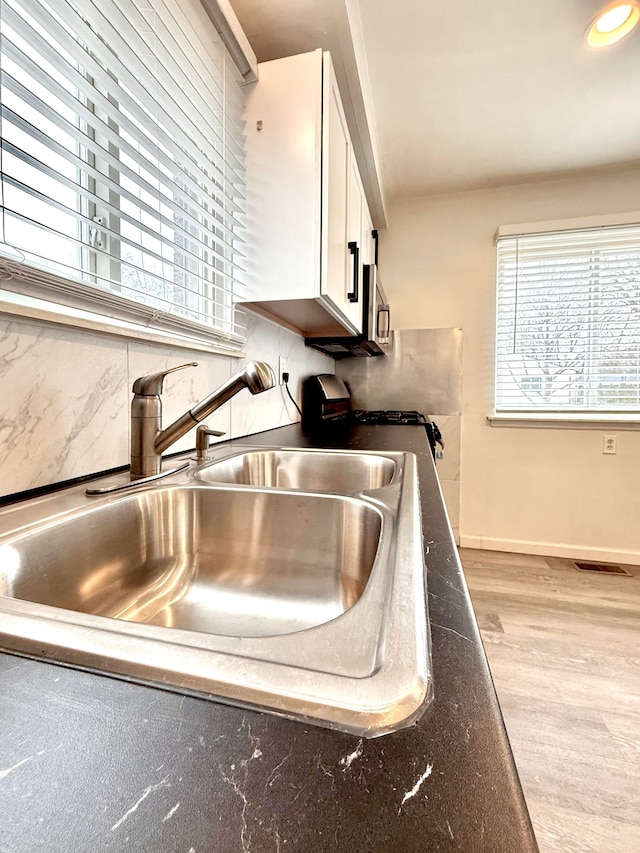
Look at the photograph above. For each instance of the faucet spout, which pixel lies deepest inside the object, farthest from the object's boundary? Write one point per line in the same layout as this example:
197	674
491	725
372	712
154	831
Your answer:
257	376
149	440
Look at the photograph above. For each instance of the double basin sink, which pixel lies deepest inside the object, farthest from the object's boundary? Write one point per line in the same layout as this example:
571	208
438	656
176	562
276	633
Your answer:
282	579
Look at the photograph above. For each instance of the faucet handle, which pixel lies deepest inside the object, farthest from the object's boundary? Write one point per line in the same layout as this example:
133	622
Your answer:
151	384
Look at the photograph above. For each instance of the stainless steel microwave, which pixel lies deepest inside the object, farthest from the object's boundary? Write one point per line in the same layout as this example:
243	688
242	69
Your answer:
376	324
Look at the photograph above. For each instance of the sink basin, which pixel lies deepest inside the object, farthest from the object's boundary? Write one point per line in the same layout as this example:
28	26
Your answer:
337	471
296	587
202	560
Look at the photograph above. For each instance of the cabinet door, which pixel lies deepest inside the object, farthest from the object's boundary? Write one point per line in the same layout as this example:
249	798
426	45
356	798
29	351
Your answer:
354	239
337	261
284	137
368	243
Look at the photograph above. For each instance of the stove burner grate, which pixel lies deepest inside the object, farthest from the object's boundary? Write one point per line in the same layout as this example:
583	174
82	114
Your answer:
395	417
390	417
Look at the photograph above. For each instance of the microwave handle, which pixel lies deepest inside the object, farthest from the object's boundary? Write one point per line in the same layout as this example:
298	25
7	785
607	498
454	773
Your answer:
353	295
383	310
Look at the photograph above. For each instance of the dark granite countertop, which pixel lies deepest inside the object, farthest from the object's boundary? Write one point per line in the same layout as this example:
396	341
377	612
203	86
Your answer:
91	763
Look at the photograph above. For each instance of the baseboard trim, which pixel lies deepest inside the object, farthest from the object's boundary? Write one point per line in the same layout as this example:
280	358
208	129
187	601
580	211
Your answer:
550	549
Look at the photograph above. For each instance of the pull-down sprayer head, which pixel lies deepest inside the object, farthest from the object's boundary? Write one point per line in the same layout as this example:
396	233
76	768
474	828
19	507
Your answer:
149	440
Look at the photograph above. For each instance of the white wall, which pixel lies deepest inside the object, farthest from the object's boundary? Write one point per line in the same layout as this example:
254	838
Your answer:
65	395
547	491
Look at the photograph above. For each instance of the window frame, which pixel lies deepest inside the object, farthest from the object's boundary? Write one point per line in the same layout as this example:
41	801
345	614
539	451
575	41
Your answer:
561	417
31	292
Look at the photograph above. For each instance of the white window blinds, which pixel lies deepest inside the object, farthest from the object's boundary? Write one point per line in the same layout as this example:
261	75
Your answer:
568	321
122	161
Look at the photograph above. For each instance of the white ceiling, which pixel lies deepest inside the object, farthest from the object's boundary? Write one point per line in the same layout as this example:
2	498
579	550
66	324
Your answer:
470	94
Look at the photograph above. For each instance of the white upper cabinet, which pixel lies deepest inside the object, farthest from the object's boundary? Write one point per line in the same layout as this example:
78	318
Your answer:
308	225
368	254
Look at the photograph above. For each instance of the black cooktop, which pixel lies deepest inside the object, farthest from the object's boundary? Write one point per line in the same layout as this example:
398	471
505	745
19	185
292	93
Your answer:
389	417
401	417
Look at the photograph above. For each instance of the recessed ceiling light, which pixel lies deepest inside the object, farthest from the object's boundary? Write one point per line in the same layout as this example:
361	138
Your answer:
613	23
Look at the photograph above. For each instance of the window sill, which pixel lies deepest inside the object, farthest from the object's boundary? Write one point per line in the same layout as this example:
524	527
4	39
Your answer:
551	420
32	308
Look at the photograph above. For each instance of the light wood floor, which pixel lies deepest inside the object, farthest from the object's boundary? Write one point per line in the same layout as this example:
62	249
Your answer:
564	650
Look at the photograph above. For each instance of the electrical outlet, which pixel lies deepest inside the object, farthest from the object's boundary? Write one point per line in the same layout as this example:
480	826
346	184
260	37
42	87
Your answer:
282	369
609	443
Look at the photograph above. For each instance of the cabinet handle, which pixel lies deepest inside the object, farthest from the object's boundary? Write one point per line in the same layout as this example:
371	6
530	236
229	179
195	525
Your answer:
353	295
385	311
374	234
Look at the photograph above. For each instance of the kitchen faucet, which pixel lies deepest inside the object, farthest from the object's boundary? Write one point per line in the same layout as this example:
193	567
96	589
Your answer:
149	440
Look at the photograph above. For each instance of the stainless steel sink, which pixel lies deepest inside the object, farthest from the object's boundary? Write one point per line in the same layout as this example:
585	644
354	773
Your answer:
202	559
303	469
306	602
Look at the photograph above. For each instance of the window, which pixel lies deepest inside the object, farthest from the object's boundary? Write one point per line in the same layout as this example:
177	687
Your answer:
568	321
122	162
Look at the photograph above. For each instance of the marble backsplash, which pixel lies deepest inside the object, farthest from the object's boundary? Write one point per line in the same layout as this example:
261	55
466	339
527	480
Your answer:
66	394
